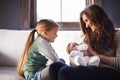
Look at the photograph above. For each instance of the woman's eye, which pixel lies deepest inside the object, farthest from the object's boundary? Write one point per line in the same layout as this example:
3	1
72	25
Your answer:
86	20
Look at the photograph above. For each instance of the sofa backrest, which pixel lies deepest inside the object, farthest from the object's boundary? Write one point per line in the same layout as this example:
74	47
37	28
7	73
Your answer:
12	44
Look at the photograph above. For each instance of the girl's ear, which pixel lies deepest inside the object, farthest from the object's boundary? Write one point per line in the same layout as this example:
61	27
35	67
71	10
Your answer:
44	33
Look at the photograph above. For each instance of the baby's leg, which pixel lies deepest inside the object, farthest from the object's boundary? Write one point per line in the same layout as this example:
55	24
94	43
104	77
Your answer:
94	61
79	60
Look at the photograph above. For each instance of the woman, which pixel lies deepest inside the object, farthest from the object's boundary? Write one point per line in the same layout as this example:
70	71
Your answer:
104	42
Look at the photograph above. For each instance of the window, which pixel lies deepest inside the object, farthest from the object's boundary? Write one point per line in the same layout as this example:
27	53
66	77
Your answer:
60	10
65	12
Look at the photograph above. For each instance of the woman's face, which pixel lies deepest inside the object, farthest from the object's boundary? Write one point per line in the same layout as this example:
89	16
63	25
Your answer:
88	22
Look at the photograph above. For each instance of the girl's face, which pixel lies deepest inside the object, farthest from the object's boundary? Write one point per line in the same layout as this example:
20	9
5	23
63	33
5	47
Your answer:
52	34
88	22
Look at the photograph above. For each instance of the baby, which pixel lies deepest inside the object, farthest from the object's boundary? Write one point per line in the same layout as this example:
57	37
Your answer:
79	59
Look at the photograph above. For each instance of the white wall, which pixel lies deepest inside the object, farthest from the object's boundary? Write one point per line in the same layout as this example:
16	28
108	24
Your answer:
65	37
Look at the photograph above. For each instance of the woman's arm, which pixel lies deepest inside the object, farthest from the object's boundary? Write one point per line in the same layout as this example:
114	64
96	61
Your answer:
103	58
115	61
112	61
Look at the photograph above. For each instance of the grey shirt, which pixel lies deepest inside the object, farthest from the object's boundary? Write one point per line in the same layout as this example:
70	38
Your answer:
40	53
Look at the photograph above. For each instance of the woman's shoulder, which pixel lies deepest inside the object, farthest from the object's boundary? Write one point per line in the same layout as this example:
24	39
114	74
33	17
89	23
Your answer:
117	35
117	32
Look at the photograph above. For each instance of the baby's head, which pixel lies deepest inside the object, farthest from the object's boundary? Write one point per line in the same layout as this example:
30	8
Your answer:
82	46
69	49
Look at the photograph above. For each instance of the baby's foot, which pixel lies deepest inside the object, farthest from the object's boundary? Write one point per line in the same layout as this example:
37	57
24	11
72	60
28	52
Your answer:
94	61
80	61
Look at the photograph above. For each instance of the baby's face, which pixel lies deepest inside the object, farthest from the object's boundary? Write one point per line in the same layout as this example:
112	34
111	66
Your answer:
75	47
71	46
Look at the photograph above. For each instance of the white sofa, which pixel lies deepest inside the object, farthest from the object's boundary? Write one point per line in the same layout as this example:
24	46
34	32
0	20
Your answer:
12	44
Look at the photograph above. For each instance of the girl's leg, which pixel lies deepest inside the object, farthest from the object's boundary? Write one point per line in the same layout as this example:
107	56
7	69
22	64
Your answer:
45	74
54	68
88	73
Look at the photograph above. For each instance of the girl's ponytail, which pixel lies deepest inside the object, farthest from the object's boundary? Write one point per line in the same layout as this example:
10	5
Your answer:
25	53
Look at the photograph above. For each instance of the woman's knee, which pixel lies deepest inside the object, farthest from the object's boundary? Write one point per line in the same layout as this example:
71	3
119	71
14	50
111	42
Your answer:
66	73
54	69
56	65
87	73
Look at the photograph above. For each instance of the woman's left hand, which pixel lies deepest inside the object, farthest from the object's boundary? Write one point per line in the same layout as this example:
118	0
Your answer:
91	51
86	52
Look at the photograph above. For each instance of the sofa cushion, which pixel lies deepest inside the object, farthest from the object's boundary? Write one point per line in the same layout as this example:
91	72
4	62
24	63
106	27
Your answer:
12	43
9	73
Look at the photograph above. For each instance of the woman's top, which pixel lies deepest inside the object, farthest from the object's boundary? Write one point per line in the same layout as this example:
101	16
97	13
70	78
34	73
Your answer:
114	59
40	54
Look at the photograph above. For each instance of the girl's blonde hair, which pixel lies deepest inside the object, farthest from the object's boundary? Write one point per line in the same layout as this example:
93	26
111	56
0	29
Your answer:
43	25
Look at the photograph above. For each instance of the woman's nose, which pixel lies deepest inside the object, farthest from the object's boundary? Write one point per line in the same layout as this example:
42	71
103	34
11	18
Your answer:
87	25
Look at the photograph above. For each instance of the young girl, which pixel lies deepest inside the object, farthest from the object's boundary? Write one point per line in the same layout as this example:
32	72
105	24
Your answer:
38	53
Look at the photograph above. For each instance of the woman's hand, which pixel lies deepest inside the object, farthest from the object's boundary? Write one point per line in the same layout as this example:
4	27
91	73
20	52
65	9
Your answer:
102	57
86	52
91	51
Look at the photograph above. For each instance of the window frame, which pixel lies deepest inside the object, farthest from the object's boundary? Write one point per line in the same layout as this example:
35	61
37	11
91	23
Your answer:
29	15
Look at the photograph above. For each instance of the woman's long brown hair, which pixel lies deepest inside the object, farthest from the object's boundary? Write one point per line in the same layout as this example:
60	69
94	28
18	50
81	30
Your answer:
103	35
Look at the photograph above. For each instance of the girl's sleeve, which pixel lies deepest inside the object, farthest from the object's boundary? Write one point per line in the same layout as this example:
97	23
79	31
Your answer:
115	61
46	50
